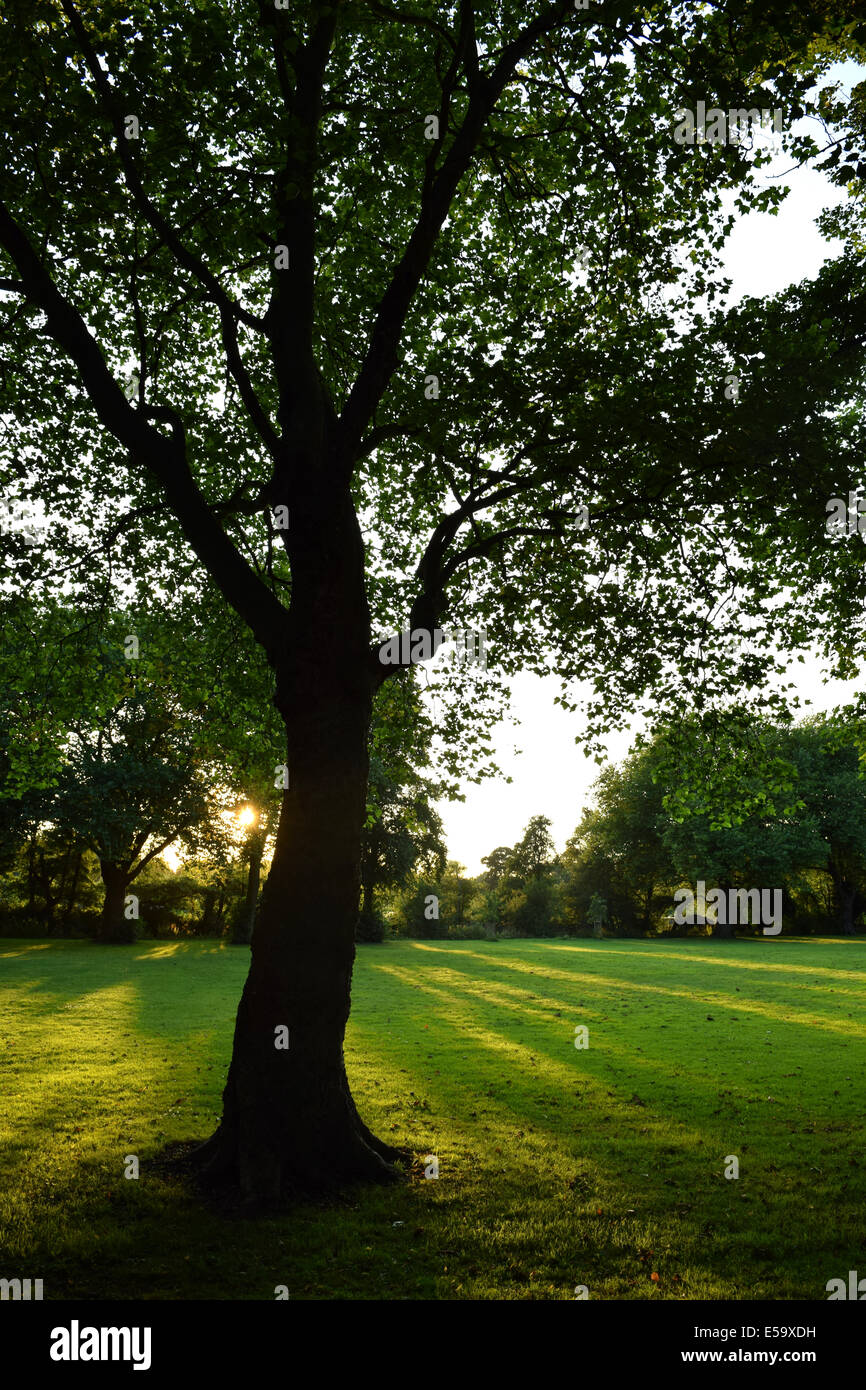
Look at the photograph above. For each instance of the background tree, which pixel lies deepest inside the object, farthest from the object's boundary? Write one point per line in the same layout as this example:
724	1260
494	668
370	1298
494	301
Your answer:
496	866
731	805
618	853
828	755
757	853
534	852
259	821
403	833
733	809
596	911
530	898
455	892
131	787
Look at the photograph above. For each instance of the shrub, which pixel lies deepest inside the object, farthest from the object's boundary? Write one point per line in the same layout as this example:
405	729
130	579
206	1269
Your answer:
419	924
469	931
17	921
531	911
370	926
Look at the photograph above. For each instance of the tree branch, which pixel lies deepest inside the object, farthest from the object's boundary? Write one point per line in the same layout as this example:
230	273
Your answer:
151	854
163	458
437	195
304	401
229	310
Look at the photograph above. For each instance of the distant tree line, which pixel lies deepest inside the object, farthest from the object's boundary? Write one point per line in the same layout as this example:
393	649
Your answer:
107	762
735	808
124	738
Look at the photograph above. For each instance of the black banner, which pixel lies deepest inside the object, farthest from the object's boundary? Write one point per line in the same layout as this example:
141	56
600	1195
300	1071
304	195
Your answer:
87	1340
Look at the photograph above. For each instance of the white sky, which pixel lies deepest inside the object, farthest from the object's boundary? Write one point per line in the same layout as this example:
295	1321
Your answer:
551	776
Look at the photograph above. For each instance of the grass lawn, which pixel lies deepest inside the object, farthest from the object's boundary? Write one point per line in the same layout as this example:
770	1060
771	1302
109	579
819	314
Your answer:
558	1166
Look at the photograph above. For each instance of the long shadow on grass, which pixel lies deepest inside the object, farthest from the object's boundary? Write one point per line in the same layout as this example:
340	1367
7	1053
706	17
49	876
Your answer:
603	1066
695	1175
619	984
357	1250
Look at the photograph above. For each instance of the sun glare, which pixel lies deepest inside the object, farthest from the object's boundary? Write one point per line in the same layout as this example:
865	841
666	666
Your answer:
246	815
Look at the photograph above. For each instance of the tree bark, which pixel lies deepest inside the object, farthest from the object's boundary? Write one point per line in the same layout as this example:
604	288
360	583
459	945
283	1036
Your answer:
724	931
113	924
845	898
289	1121
242	934
73	889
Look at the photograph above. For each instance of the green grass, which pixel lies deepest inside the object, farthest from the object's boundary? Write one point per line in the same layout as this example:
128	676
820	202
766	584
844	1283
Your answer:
558	1166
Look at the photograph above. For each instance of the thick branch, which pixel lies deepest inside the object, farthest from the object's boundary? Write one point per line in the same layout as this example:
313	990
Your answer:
229	310
304	402
437	196
151	854
164	459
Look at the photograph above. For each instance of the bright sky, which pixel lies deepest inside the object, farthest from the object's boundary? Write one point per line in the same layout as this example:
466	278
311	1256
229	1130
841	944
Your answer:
551	776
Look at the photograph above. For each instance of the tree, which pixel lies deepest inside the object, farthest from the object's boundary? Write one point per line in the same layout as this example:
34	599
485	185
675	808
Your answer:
441	274
734	804
617	852
403	833
487	908
533	909
496	865
420	911
432	907
455	892
733	813
597	913
534	851
259	827
529	894
757	853
828	755
131	787
130	759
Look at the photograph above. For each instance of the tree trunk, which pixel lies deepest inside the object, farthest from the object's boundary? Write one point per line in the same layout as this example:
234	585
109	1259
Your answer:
114	925
367	901
724	931
243	928
31	875
845	896
70	901
288	1116
207	916
289	1121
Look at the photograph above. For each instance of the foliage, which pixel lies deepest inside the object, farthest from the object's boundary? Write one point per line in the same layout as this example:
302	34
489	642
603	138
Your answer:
591	258
785	807
419	911
532	910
